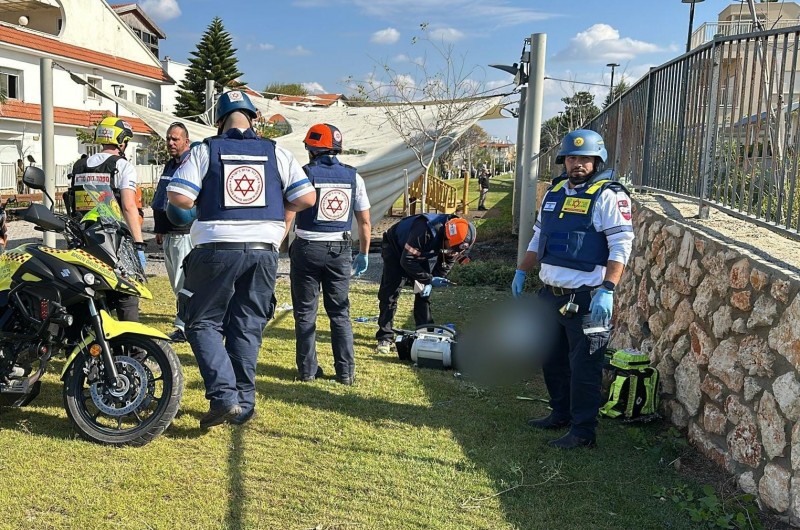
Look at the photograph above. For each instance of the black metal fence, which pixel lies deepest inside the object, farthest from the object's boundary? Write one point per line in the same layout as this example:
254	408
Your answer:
720	125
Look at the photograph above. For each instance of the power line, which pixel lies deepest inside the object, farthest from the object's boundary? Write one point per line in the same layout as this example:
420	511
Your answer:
573	81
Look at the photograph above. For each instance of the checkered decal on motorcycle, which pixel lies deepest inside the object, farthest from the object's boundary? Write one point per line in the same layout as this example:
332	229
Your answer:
83	256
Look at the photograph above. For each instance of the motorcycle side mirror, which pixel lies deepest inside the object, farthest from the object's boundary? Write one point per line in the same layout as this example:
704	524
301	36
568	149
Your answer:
33	177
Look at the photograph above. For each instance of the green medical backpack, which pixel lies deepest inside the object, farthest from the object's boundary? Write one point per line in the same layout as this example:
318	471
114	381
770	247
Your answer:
633	393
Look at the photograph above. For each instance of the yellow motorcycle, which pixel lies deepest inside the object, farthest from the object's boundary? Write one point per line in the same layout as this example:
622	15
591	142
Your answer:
122	381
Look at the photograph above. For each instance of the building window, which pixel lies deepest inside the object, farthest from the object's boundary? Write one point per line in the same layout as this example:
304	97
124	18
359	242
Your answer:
10	84
96	82
123	94
141	99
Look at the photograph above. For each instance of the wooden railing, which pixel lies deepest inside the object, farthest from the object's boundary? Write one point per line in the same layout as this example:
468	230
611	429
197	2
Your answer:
441	196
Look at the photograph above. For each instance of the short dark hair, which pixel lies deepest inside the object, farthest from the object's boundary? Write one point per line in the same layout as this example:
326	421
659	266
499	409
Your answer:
179	125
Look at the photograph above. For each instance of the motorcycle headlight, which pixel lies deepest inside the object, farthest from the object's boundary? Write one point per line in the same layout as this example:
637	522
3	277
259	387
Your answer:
89	278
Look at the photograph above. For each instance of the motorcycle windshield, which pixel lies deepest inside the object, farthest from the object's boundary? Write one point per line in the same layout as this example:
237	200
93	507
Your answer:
106	208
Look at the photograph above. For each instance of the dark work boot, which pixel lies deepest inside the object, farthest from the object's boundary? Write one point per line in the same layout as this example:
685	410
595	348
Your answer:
219	415
572	441
309	378
548	422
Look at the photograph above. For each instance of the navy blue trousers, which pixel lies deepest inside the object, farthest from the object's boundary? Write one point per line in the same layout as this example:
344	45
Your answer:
324	264
573	371
225	303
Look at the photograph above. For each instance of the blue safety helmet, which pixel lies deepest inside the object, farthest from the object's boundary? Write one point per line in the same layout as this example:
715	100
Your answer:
180	217
231	101
582	142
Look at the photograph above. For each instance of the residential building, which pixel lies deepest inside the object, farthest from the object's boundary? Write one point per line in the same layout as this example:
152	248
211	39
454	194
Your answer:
90	45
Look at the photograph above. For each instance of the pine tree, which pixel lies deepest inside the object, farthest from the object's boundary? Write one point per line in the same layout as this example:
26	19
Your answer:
215	58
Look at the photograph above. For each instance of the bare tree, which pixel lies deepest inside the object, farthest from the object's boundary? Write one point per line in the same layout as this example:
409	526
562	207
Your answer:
430	105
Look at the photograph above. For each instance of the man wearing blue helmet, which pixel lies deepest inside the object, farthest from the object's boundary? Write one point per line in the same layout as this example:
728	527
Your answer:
240	185
173	236
582	240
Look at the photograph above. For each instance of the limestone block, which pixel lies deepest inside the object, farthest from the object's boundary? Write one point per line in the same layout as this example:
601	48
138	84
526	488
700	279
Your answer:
687	383
780	290
721	321
758	279
714	420
669	297
785	336
787	394
773	488
741	300
724	364
755	356
739	326
706	445
740	274
674	230
751	388
686	250
700	246
712	388
666	371
639	265
704	301
681	348
772	426
641	299
795	456
744	445
695	273
763	313
702	345
736	412
684	316
678	415
747	483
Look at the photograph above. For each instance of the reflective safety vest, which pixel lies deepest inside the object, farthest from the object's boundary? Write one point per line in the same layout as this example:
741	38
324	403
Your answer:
567	236
242	182
335	184
103	175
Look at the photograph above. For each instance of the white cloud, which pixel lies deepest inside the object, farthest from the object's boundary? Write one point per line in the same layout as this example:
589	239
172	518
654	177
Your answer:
403	58
261	46
446	34
314	88
161	10
385	36
602	42
298	50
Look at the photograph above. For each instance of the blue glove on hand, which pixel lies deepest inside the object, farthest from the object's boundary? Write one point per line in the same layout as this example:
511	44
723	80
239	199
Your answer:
518	283
438	281
602	305
142	258
360	264
426	291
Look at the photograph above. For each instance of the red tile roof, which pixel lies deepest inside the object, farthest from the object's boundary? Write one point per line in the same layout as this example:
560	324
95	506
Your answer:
45	44
19	110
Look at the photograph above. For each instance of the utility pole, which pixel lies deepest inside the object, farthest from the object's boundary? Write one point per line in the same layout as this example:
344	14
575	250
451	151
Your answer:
48	141
611	91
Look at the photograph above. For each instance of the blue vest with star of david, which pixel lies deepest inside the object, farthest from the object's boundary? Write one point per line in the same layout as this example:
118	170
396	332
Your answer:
235	148
332	180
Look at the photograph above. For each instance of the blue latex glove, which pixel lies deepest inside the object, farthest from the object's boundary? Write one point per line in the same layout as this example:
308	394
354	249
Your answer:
426	291
360	264
438	281
602	305
518	283
142	258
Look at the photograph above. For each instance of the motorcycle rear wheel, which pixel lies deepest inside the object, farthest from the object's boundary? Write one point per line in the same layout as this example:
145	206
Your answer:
139	412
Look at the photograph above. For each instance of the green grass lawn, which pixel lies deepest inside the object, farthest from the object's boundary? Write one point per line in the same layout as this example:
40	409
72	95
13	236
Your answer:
404	448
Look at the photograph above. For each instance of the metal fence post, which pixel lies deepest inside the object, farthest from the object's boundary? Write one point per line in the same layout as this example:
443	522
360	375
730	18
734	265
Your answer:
648	131
707	164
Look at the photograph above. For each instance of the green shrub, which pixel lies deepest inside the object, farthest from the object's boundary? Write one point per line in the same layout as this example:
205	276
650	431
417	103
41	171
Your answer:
497	273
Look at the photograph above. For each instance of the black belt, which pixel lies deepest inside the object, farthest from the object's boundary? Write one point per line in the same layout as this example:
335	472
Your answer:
237	246
563	291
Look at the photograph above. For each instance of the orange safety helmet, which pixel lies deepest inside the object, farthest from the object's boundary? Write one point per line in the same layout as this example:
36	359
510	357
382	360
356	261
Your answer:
459	234
323	137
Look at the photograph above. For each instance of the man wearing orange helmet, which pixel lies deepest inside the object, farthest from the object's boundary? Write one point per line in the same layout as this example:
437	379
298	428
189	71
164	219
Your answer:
421	249
321	254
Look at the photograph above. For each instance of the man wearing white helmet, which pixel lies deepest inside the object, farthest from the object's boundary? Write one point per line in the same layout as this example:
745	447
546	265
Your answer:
582	240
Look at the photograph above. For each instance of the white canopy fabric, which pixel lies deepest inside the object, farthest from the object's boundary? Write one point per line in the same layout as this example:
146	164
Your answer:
367	129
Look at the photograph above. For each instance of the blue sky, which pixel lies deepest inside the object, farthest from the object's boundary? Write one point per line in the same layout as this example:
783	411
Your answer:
322	43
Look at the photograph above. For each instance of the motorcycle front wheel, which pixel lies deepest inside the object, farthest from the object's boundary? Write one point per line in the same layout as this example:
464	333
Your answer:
141	408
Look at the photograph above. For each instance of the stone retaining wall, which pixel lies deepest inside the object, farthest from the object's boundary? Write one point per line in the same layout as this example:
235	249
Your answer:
722	326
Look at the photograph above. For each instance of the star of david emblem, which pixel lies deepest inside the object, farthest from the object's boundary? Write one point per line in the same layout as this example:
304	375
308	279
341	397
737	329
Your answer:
335	205
244	185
